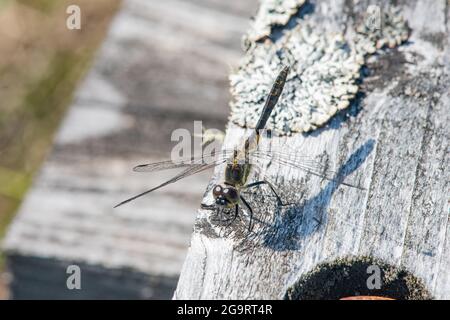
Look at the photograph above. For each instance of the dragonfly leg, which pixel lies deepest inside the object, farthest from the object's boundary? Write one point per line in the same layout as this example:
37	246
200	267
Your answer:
236	212
318	221
250	211
257	183
207	206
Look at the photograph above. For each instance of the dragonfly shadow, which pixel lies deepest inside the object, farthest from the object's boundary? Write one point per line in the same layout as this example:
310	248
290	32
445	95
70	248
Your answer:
303	219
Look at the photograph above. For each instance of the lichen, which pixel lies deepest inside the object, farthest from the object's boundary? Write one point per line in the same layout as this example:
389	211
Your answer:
325	69
272	13
392	32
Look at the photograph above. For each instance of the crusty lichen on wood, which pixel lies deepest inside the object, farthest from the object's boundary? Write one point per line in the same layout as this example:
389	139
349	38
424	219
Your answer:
325	72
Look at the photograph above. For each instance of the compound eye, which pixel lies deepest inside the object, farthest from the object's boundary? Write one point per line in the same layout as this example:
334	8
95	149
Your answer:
231	194
217	191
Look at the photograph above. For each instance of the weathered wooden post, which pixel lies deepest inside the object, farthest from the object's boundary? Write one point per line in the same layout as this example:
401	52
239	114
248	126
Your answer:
368	96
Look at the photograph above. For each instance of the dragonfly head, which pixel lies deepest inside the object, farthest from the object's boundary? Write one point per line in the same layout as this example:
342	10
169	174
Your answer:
226	196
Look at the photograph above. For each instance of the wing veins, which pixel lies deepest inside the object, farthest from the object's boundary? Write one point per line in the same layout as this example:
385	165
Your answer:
325	174
186	173
169	164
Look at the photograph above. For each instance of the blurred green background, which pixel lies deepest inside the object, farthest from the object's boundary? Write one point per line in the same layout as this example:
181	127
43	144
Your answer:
41	61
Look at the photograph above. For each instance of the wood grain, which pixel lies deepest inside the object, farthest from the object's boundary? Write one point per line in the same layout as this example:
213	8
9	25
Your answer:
394	141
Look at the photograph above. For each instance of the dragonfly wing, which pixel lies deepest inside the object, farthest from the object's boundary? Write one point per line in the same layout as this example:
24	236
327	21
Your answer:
303	163
340	221
159	166
169	164
186	173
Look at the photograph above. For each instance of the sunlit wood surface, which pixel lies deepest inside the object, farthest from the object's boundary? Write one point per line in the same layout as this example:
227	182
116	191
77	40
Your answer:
394	142
163	65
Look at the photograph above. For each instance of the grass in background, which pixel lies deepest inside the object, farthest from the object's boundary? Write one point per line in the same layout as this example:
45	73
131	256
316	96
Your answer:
41	62
43	5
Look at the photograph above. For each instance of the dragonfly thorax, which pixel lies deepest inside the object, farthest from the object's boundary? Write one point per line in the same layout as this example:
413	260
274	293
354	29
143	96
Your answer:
236	174
226	196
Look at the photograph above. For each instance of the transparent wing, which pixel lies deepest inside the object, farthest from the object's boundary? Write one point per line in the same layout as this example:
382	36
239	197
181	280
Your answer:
312	166
304	163
305	160
191	170
193	161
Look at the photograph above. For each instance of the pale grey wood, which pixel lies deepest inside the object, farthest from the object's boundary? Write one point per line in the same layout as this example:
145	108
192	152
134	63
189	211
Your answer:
395	144
162	65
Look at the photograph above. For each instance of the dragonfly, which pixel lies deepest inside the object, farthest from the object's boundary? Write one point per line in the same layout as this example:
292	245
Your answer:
240	162
248	157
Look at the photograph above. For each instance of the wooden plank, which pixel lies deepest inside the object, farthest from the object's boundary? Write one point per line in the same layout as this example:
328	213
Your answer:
428	227
162	66
392	141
